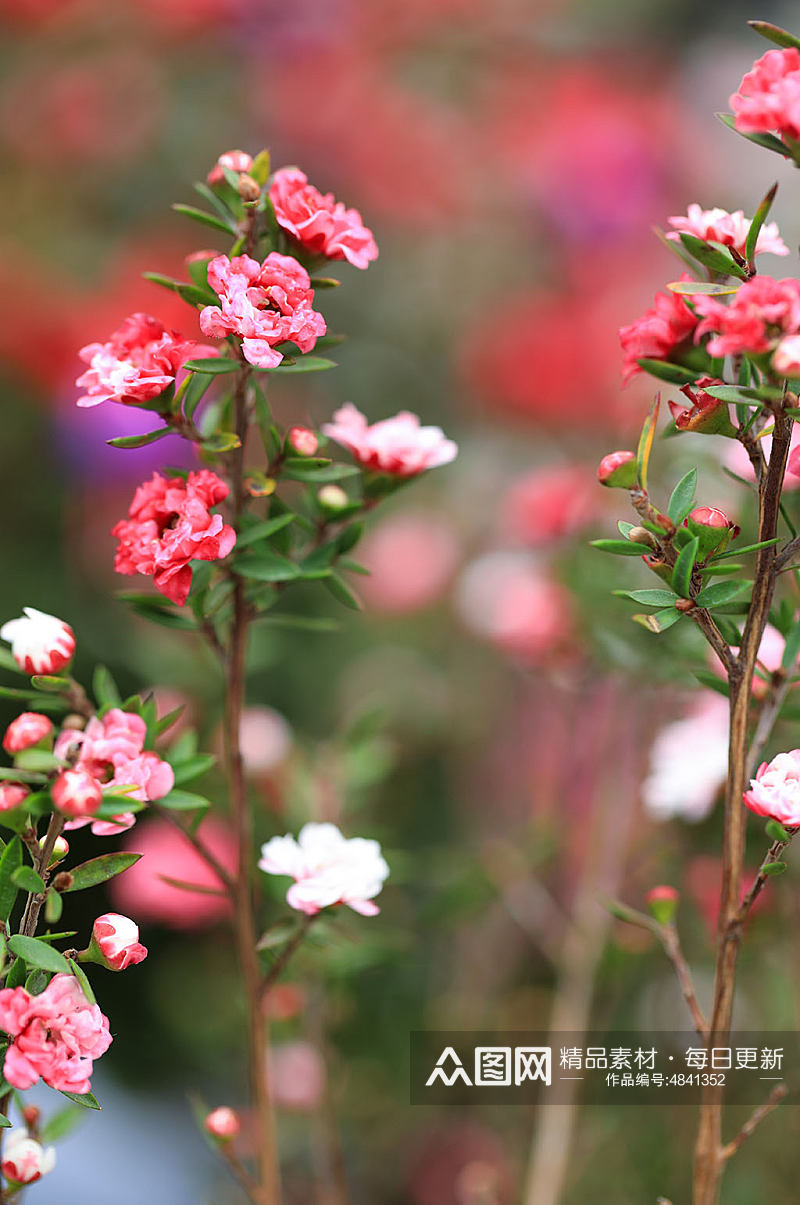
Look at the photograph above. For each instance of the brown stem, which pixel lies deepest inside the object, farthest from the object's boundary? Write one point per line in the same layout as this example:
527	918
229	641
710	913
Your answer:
709	1163
241	1175
668	936
33	907
773	855
199	845
244	915
282	961
773	1100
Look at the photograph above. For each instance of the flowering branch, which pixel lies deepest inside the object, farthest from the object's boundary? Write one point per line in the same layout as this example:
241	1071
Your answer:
773	1100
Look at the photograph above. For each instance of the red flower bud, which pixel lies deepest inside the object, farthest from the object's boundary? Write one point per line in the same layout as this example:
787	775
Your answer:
303	441
663	903
77	794
26	731
712	527
617	470
223	1123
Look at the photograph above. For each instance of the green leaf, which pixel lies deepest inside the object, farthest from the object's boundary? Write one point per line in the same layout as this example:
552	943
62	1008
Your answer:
10	862
760	217
768	141
150	608
213	365
774	33
707	677
673	373
708	255
4	1122
304	364
682	572
660	621
773	868
87	1099
298	469
139	441
104	688
26	878
99	870
197	384
37	759
184	801
60	1124
267	566
342	592
691	288
741	551
650	598
263	529
625	528
49	682
221	441
646	443
17	775
205	219
188	292
192	768
776	831
619	547
37	953
324	282
682	497
721	593
80	975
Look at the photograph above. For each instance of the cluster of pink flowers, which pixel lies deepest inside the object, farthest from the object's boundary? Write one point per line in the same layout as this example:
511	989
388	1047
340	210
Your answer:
399	445
775	790
768	97
658	333
40	643
730	229
111	752
327	869
321	223
140	360
265	304
169	525
56	1035
761	311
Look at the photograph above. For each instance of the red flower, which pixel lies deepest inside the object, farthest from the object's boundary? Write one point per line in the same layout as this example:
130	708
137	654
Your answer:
169	525
658	332
319	222
139	361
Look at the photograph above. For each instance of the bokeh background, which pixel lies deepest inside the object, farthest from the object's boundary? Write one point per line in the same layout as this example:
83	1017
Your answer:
491	716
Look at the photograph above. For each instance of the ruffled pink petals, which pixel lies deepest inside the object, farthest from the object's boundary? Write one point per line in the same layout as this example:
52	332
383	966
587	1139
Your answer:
57	1035
768	98
730	229
658	334
400	446
328	869
775	790
761	311
321	224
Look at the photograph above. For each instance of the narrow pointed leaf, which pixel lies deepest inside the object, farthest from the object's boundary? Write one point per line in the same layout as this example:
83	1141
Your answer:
722	593
759	219
768	141
619	547
205	219
675	374
38	954
646	443
774	33
682	497
682	572
99	870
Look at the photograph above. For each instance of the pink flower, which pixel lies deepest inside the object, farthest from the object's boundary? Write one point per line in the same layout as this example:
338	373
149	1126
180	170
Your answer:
658	334
223	1123
56	1035
663	903
769	95
105	828
706	414
411	557
265	739
761	310
297	1076
140	360
40	643
327	869
548	504
235	161
265	304
76	793
116	939
775	790
689	762
786	358
26	731
167	855
24	1159
399	445
169	525
509	600
112	751
11	795
730	229
323	225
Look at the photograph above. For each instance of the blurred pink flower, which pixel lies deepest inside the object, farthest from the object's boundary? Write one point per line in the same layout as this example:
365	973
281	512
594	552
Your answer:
399	445
26	731
513	602
659	333
117	939
142	890
768	98
140	360
786	357
411	557
223	1123
169	525
322	224
297	1076
40	643
734	456
56	1035
775	790
327	869
689	762
12	795
24	1160
752	321
730	229
265	739
265	304
548	503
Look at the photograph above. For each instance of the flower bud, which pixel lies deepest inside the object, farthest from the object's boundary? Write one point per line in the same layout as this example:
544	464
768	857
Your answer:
333	498
302	440
31	1115
63	881
786	357
77	794
60	849
235	161
24	1160
707	415
73	722
640	535
618	470
249	190
223	1123
40	643
713	529
115	943
11	795
26	731
663	903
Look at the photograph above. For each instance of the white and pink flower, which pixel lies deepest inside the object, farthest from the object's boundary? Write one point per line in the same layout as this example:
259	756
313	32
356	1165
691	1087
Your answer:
26	731
40	643
317	220
327	869
399	446
115	942
264	304
775	790
140	360
730	229
689	762
111	750
76	793
24	1159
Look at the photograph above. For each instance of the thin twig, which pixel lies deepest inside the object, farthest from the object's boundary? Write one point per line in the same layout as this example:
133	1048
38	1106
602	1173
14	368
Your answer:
779	686
668	936
242	1175
773	855
773	1100
283	959
199	845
